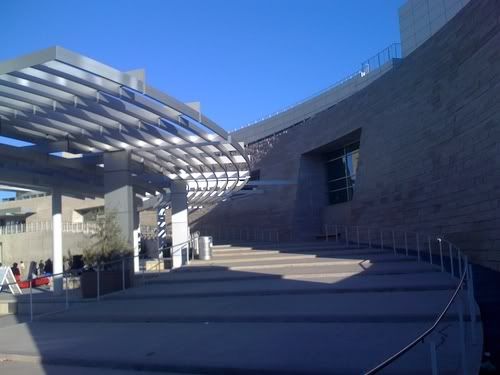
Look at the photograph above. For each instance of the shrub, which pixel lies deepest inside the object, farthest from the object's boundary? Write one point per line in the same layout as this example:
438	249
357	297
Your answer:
107	243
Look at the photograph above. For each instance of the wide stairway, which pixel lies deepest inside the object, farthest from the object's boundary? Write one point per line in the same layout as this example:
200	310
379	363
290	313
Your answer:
302	308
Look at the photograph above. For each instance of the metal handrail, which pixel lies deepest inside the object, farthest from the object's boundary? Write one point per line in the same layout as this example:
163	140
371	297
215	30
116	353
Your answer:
393	51
420	338
464	273
66	274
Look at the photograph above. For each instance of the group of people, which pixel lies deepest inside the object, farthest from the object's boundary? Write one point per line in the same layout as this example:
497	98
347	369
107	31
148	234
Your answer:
34	270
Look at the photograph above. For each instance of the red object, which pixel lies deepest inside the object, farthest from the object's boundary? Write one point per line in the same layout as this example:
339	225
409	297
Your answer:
40	281
25	284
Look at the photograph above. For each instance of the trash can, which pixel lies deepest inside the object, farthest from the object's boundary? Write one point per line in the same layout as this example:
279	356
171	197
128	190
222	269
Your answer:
196	245
205	245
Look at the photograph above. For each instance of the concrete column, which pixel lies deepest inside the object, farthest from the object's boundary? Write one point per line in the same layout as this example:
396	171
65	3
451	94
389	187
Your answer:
180	229
57	249
119	198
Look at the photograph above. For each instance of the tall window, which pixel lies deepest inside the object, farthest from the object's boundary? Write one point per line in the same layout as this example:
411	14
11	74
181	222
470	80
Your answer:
341	167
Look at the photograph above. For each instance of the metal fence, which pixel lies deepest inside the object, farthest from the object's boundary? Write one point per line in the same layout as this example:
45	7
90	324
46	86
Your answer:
439	253
372	64
67	227
79	287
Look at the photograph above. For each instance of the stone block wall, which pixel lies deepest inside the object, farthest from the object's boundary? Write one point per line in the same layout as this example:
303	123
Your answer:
429	153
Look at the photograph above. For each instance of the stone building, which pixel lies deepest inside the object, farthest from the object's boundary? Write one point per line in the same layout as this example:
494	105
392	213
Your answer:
417	149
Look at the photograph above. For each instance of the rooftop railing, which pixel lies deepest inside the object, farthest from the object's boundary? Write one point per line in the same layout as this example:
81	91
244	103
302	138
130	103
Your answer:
374	63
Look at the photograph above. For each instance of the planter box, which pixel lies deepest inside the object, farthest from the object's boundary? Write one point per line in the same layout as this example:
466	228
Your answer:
109	281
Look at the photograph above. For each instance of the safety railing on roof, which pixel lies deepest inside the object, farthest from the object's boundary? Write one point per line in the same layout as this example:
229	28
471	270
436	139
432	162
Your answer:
438	252
393	51
90	283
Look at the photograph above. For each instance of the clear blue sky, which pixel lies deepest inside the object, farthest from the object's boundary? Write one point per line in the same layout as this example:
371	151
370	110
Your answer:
241	59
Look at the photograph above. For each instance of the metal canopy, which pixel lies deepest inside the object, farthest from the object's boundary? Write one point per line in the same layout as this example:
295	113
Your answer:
61	101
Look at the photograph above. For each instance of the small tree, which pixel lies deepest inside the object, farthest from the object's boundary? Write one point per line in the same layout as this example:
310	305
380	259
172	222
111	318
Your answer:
107	243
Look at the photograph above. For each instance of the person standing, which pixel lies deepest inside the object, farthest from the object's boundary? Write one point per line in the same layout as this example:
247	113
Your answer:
22	269
41	267
48	267
16	272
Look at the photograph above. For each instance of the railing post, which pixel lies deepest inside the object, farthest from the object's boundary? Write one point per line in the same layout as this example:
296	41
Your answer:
441	254
381	239
123	274
98	282
346	236
326	232
472	307
430	249
418	246
143	269
159	264
67	290
31	301
394	243
369	239
459	256
462	336
450	248
406	243
337	233
357	235
434	365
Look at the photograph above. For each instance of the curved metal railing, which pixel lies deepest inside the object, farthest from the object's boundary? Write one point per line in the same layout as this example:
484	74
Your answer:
440	253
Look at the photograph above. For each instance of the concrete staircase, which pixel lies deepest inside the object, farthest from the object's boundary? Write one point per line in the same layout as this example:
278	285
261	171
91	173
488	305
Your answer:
301	308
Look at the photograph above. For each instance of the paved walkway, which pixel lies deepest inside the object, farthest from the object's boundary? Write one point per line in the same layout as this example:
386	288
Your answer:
315	308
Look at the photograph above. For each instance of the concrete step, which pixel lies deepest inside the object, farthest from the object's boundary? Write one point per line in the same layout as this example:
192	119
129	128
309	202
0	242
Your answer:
305	251
389	307
242	348
278	247
294	284
294	260
297	268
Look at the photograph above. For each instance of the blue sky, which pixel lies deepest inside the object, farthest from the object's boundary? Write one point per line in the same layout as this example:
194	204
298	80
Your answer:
240	59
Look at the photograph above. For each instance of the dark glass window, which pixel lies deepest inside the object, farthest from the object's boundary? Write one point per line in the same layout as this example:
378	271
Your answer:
341	167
